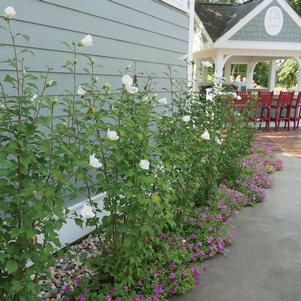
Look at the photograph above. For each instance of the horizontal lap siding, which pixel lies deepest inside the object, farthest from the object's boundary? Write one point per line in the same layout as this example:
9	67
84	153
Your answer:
147	34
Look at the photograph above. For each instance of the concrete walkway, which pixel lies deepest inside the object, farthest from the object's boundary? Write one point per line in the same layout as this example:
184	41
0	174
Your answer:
264	263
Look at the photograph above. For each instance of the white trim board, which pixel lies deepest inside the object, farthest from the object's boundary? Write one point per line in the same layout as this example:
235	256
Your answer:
70	232
290	11
190	43
179	4
260	45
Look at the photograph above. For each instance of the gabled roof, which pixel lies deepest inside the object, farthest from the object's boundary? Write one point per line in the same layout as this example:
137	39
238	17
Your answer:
219	18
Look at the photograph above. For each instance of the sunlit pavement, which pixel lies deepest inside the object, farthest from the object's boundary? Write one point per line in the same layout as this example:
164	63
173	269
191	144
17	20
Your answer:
286	142
264	263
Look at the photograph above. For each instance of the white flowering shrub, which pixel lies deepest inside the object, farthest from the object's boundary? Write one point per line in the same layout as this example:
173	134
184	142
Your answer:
35	175
157	160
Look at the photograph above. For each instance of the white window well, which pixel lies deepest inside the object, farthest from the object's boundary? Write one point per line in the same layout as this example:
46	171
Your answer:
273	20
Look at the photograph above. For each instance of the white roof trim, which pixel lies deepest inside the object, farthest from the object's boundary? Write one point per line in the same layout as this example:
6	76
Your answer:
260	45
242	22
179	4
290	11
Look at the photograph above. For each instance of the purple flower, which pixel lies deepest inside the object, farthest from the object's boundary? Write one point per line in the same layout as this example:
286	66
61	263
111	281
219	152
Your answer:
87	290
156	274
204	255
113	290
172	291
108	298
139	297
172	276
173	266
203	216
67	290
219	216
196	275
210	240
220	248
126	288
158	290
139	283
82	298
77	281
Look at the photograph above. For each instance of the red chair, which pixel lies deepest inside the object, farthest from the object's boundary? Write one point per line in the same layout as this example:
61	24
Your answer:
296	109
264	102
242	99
283	109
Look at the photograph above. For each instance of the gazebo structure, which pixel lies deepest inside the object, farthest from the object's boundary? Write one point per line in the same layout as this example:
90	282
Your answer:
248	33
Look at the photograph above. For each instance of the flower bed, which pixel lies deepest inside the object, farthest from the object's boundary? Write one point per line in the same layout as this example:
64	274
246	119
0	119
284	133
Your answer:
172	169
206	233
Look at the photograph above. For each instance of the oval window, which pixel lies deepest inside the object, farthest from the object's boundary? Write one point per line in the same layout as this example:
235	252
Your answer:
273	20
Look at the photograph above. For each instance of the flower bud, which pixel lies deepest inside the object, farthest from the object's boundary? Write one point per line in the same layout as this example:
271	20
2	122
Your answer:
107	86
92	110
51	83
55	100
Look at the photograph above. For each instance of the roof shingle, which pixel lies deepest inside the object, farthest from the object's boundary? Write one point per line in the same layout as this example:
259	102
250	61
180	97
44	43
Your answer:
219	18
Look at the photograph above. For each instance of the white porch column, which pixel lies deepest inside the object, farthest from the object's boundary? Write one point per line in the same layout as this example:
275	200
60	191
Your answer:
219	65
272	75
204	74
299	80
250	74
227	72
196	73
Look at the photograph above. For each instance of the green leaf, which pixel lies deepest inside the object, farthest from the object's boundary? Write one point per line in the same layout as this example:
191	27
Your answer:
24	36
27	51
16	285
9	79
11	266
51	83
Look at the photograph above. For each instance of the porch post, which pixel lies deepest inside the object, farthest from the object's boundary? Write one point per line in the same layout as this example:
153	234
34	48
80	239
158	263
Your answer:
227	72
250	74
272	75
219	65
197	73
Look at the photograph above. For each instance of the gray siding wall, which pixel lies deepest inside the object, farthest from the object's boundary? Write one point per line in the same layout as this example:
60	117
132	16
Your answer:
145	33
